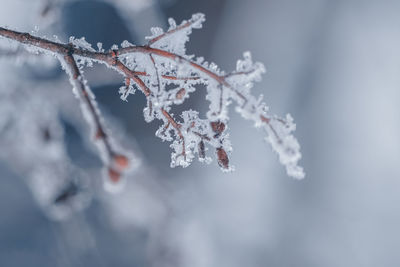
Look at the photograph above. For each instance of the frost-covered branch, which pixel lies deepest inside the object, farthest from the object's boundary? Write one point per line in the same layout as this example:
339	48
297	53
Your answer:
167	75
116	163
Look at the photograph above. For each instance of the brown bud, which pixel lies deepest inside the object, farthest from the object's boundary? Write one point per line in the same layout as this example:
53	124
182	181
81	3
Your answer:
265	119
121	162
114	175
223	160
180	94
202	151
127	82
218	127
100	134
114	53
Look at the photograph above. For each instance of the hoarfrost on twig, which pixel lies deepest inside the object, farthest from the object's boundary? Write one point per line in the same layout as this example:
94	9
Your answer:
167	76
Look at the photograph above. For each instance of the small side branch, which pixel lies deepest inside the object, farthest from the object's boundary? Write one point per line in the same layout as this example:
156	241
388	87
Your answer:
172	67
116	162
190	23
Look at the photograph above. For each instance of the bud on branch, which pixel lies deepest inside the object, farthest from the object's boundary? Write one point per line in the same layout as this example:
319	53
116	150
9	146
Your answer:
160	64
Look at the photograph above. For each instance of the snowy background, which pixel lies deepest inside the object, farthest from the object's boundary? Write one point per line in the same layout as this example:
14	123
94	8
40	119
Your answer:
334	65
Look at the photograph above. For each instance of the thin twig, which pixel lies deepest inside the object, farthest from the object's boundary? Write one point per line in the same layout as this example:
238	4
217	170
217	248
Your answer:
116	162
77	81
111	58
187	24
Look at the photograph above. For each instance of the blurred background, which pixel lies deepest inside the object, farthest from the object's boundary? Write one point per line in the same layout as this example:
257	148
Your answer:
334	65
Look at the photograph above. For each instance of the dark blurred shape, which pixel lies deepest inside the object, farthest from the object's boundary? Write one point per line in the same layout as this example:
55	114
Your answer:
96	21
202	41
70	191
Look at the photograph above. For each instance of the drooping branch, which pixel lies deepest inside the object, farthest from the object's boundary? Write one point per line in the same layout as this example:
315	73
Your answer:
116	162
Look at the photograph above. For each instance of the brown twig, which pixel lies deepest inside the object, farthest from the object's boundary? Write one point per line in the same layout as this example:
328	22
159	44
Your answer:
117	162
157	74
177	127
111	58
179	78
185	25
78	83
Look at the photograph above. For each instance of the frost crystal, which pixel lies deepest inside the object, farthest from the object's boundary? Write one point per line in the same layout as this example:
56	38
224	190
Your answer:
81	43
171	76
175	39
167	76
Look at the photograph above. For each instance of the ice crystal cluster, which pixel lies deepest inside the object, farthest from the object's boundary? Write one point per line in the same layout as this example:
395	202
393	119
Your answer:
167	76
172	75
